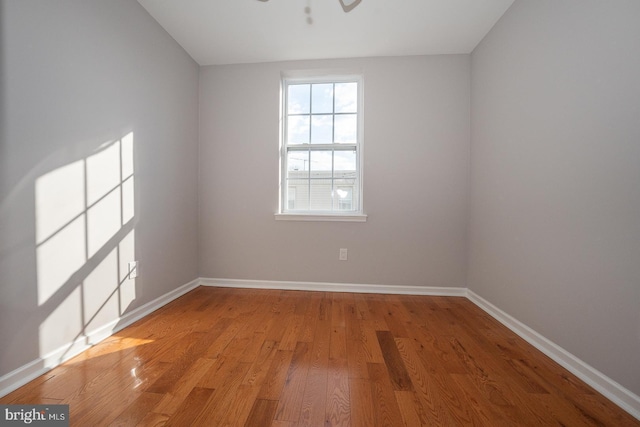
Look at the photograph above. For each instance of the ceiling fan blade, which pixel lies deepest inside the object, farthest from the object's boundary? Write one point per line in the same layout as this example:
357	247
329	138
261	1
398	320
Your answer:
349	7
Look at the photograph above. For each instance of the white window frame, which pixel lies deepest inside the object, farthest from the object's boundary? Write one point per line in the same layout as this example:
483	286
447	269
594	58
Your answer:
284	213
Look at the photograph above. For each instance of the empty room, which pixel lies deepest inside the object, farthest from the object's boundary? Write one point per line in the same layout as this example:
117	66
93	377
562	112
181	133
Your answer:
320	212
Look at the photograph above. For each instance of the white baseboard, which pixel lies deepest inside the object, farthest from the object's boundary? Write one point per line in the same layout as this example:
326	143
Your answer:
22	375
613	391
335	287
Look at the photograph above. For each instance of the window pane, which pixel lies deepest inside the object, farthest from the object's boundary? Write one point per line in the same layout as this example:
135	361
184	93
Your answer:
320	197
346	128
322	98
291	197
298	130
321	161
346	97
299	188
322	129
298	99
345	161
343	198
298	164
346	194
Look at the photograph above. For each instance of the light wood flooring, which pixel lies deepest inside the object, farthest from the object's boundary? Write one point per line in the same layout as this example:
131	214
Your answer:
237	357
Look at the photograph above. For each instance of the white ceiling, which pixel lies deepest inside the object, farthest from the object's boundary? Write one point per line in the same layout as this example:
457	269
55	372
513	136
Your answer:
241	31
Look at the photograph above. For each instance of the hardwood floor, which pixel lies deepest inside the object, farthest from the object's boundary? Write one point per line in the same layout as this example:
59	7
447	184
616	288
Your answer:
219	357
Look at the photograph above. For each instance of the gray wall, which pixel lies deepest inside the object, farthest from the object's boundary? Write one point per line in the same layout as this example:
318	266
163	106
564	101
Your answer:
76	77
555	176
416	154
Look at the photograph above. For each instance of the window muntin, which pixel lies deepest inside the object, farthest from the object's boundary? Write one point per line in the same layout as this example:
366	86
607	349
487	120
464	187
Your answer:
321	146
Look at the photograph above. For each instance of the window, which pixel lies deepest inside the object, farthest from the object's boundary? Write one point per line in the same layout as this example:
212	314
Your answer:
321	148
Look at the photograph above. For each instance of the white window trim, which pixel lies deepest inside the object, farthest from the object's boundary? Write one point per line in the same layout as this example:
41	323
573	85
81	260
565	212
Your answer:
309	76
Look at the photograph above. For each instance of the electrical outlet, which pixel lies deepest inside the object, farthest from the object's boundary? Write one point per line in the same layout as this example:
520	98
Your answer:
343	254
133	269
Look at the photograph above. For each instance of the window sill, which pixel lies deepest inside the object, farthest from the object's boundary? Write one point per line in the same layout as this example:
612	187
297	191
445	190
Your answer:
321	217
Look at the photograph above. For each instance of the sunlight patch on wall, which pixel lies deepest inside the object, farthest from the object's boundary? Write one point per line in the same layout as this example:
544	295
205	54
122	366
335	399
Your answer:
60	233
128	200
126	252
60	193
64	321
101	293
103	221
128	210
84	242
127	155
103	172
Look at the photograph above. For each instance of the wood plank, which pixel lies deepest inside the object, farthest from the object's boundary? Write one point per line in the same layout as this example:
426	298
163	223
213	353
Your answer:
312	412
478	408
276	376
89	400
182	389
308	329
338	345
432	403
411	410
395	318
440	395
190	407
252	345
239	407
303	298
218	404
495	387
262	412
152	419
361	307
370	343
258	370
338	408
136	411
35	392
220	372
274	330
385	406
190	344
361	402
290	400
393	361
292	331
376	312
356	353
